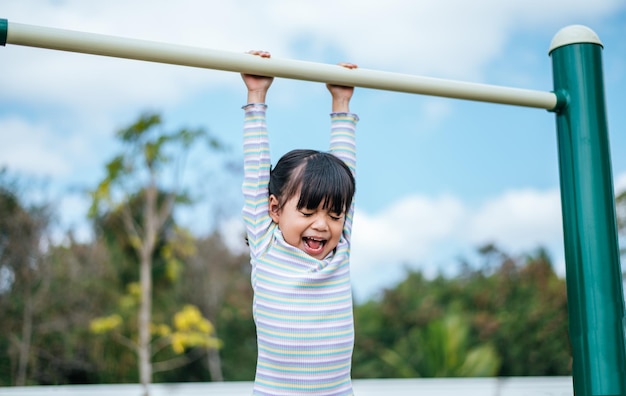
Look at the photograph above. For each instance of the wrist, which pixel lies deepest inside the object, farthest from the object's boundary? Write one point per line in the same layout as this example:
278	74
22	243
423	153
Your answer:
341	105
257	96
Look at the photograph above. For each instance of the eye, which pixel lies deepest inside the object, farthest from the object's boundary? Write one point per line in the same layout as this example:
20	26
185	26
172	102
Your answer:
335	216
306	214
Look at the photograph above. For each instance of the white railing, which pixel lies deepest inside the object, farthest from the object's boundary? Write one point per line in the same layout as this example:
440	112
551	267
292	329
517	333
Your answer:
512	386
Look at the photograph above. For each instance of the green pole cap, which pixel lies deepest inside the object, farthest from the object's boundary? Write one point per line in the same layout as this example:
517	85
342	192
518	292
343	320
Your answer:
4	28
574	34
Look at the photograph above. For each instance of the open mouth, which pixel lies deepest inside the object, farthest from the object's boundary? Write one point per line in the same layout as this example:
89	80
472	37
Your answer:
314	246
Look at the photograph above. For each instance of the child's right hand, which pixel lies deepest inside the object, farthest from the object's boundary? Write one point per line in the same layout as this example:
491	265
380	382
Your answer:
341	95
257	85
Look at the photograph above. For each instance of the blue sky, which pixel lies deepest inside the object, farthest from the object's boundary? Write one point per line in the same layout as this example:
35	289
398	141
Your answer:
436	177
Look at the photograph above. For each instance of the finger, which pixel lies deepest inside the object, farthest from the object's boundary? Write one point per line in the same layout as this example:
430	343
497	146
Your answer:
348	65
262	54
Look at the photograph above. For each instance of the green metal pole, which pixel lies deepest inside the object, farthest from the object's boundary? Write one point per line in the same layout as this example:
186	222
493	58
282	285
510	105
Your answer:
4	26
593	273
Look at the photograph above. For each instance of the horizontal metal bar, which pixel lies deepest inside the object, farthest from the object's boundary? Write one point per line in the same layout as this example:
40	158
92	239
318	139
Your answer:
121	47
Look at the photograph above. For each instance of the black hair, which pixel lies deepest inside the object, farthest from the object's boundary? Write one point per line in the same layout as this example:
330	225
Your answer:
320	177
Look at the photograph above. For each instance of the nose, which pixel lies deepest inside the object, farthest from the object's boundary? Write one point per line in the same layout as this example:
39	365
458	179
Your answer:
320	223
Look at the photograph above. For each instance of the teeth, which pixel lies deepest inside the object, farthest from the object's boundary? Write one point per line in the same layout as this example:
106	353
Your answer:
314	243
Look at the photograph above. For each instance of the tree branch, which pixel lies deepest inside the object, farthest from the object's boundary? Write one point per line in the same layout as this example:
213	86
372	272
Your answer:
178	361
131	227
127	342
160	344
165	210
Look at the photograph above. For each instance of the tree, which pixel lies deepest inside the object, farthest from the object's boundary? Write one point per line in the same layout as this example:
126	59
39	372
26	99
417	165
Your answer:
504	316
218	281
442	349
24	271
141	170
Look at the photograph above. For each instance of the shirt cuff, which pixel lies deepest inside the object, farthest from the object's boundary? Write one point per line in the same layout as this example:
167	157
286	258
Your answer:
250	106
345	114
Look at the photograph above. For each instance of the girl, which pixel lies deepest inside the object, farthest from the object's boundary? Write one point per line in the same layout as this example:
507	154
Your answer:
298	221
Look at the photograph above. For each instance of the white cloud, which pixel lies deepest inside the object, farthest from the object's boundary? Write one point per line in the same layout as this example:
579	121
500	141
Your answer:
406	230
518	220
30	148
425	233
92	88
233	233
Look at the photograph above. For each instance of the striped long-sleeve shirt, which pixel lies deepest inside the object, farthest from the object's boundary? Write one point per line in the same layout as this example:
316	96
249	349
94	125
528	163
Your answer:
302	306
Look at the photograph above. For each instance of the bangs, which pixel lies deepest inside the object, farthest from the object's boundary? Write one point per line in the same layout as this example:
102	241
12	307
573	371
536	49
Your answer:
326	180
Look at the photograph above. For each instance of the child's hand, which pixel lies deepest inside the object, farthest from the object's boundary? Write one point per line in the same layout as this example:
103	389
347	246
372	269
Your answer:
257	85
341	94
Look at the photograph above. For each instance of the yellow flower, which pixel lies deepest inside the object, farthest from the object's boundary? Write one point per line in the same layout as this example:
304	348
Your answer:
178	344
192	330
105	324
161	330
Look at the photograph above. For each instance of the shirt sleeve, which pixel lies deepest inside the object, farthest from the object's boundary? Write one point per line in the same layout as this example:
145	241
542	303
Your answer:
257	164
343	146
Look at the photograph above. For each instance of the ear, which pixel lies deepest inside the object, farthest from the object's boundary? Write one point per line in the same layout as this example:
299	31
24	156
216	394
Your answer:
274	208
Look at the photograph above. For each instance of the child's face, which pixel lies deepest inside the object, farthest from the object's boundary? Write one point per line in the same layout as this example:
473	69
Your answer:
316	232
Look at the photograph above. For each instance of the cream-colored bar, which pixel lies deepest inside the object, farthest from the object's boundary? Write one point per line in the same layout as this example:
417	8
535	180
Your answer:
120	47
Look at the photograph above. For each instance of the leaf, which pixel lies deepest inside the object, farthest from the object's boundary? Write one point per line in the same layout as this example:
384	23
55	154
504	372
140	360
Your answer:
482	361
136	131
173	269
115	167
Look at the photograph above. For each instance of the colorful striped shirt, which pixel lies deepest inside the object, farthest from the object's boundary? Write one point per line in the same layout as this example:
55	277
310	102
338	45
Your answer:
302	306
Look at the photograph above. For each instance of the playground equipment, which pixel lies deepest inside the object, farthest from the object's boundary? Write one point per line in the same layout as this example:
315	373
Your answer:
593	273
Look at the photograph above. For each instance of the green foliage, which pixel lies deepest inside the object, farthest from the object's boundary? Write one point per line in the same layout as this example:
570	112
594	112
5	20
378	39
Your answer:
441	350
148	151
25	275
509	318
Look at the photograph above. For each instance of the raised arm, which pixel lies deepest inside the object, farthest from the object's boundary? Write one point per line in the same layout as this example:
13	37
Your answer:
343	123
256	167
257	161
343	133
